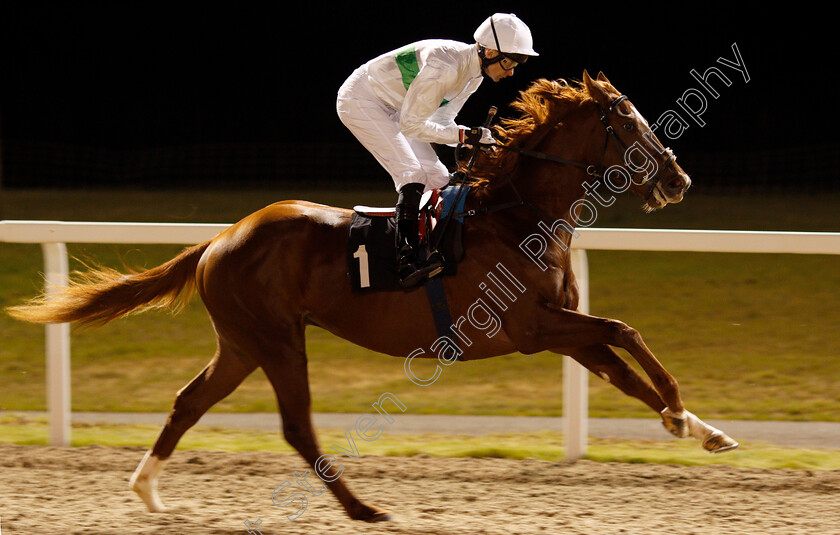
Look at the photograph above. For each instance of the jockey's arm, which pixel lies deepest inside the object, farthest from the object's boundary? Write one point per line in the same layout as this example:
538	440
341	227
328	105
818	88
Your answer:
422	101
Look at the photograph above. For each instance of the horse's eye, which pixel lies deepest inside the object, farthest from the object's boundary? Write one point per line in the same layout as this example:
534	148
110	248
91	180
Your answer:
629	126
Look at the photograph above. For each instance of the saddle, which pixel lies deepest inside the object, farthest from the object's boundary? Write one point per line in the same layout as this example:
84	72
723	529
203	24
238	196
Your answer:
372	256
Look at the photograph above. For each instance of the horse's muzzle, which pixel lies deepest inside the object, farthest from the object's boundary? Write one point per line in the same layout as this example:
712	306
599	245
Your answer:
673	188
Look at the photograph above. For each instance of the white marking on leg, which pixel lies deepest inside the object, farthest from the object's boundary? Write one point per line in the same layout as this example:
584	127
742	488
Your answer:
698	428
144	482
713	439
675	422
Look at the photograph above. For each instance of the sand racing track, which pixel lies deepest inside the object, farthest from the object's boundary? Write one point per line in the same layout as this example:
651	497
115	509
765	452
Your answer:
84	490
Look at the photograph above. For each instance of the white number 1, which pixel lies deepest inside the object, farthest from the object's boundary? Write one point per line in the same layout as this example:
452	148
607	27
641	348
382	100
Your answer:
364	275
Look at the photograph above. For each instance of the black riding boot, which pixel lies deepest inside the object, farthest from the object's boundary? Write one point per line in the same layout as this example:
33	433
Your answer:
412	269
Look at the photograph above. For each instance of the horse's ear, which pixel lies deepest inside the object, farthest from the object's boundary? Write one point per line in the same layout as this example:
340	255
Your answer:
587	81
594	89
603	77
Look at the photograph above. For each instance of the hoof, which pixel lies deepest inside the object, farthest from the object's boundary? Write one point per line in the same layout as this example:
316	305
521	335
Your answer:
148	494
719	443
381	516
366	513
676	423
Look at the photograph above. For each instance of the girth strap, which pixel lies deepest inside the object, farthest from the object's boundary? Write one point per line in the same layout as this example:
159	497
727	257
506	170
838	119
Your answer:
436	293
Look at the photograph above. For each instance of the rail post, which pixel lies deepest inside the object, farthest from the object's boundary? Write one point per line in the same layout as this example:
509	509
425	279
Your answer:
56	273
575	376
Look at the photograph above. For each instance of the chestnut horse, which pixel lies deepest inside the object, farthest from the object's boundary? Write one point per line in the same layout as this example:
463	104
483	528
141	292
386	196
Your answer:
267	277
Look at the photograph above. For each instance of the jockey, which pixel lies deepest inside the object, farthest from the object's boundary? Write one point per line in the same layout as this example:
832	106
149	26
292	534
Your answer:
399	103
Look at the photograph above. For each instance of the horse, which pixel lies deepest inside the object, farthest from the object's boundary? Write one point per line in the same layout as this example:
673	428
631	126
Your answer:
268	276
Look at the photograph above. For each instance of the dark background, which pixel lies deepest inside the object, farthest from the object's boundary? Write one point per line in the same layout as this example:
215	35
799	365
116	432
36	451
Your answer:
147	95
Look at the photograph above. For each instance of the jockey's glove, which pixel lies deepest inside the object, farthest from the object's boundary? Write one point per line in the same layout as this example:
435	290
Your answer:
477	136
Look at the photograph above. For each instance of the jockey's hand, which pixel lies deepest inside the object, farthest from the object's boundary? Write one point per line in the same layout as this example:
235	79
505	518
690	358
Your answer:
477	136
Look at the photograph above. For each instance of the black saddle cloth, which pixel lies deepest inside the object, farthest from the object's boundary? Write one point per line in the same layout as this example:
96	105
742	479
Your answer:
372	257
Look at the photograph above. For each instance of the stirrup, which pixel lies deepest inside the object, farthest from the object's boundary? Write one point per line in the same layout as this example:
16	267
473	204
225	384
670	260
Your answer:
418	271
420	274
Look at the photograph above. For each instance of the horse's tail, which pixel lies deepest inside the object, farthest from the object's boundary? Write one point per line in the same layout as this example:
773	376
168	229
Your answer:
103	294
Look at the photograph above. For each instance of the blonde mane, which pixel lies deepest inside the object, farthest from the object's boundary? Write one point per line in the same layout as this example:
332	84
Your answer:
542	104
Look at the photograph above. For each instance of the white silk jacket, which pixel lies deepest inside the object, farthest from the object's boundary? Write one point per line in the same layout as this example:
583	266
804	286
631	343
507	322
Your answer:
427	82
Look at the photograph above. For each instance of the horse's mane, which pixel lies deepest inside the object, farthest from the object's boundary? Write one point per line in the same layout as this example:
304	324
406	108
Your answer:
540	107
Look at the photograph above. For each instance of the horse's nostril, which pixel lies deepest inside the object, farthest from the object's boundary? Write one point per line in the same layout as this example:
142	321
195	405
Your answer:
677	183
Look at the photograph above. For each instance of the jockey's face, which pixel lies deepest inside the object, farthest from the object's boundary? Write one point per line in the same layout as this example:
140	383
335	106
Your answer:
500	69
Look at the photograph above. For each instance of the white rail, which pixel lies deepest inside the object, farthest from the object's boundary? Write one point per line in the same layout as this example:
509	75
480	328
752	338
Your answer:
52	235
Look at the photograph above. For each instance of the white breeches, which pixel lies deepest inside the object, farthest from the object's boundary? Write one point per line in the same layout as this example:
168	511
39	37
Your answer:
377	127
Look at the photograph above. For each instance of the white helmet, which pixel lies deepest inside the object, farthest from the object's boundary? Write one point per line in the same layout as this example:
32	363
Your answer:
506	33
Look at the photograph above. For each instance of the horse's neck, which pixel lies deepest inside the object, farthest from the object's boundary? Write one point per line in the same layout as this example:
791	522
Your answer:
553	187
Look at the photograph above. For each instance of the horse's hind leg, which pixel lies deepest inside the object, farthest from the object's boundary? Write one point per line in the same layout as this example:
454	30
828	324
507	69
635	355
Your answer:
285	365
215	382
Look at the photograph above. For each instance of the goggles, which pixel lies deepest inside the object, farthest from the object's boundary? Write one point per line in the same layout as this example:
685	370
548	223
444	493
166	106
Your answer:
510	61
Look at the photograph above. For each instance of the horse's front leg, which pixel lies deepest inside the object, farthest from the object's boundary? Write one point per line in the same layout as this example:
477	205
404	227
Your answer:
566	329
583	336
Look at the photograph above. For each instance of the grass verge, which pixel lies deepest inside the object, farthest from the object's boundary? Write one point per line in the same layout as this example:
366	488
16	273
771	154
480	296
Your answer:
546	446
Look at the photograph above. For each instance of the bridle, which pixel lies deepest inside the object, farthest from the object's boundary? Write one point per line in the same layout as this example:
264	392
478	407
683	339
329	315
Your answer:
592	170
598	171
623	148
